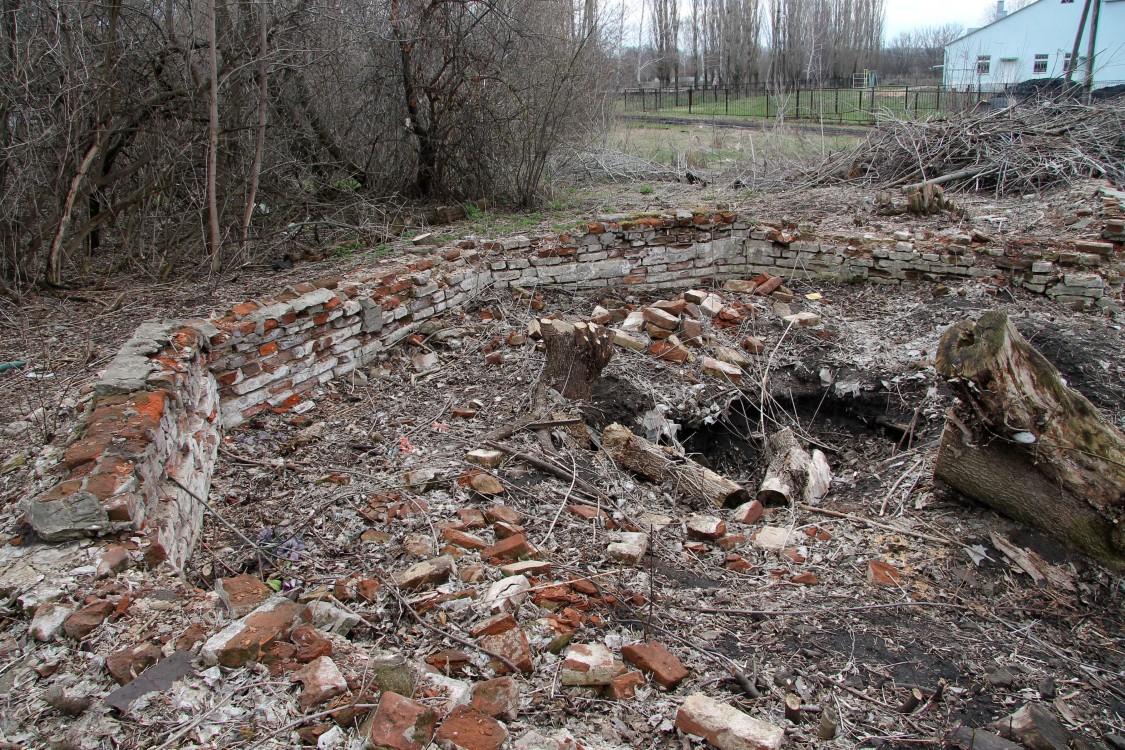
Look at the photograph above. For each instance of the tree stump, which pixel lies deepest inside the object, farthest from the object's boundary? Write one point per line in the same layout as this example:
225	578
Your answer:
576	355
1025	444
661	464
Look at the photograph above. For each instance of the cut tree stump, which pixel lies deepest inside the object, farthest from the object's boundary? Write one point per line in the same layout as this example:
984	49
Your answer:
1025	444
661	464
793	472
576	355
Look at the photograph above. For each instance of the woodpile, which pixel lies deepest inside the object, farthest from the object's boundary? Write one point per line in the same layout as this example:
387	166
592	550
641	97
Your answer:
1022	442
1027	147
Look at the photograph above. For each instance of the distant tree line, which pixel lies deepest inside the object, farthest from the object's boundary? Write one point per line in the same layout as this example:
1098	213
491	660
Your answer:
916	54
738	42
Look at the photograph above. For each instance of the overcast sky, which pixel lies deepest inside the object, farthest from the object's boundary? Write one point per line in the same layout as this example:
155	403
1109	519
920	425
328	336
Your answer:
902	15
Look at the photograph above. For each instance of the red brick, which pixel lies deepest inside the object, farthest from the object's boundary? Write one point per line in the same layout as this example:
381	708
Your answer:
259	631
85	450
127	663
499	697
624	688
512	645
244	308
587	512
512	548
84	621
399	724
667	351
311	643
468	729
501	623
462	539
502	513
266	350
655	657
242	594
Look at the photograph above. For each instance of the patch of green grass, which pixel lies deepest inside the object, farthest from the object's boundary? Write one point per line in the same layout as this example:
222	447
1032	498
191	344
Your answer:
347	185
348	249
472	211
646	190
709	146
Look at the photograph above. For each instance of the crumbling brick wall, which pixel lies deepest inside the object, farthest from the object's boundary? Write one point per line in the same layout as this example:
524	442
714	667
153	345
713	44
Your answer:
153	428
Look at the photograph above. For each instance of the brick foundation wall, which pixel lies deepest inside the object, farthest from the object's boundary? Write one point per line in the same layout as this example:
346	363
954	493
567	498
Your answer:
151	426
155	422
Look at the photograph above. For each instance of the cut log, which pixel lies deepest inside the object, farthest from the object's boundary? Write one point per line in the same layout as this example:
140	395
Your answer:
793	472
1022	442
1035	727
978	739
661	464
576	355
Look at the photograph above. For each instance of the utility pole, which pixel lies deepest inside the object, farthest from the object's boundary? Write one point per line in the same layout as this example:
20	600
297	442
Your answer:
1072	63
1090	52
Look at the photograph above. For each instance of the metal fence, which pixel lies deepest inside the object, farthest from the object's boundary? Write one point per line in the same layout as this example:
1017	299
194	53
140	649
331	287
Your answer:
844	105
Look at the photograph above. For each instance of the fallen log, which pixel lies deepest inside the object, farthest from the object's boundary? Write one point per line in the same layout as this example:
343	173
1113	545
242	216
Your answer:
793	472
661	464
1022	442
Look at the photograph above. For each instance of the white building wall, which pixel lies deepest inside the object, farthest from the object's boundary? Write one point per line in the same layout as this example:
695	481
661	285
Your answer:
1046	27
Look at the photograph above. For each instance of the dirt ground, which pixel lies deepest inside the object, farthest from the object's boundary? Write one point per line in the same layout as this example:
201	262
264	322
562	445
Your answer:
957	619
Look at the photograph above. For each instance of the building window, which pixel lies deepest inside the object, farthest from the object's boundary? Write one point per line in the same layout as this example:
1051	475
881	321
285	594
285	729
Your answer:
1040	64
984	64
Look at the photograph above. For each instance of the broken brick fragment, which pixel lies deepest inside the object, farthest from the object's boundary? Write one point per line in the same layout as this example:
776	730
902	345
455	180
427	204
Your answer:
499	697
624	687
126	664
512	548
399	724
468	729
84	621
654	657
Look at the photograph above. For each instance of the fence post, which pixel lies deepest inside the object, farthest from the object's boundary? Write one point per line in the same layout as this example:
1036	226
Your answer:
726	91
861	103
837	106
797	108
937	106
625	106
690	95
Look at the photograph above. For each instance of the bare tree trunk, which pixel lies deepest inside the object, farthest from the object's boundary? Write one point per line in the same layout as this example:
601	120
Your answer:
213	139
260	140
1024	443
54	253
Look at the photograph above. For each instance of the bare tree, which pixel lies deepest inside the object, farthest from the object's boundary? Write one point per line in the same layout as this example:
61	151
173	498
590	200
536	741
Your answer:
137	135
992	12
666	40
